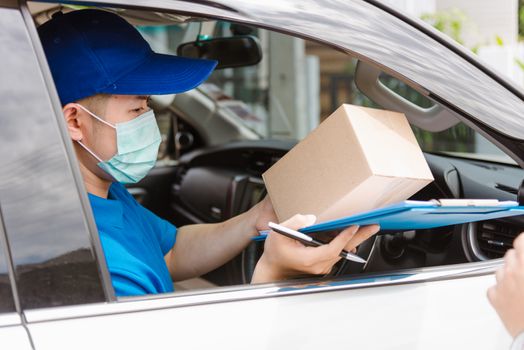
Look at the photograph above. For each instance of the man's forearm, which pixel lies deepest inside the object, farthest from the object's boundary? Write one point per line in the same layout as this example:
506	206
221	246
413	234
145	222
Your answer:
203	247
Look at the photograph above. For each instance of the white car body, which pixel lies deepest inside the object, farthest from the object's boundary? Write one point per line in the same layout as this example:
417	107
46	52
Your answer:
450	312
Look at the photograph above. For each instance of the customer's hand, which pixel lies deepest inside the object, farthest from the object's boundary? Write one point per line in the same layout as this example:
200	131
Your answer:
284	257
507	296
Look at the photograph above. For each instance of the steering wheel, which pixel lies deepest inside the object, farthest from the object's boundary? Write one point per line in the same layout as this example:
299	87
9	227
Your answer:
252	252
364	250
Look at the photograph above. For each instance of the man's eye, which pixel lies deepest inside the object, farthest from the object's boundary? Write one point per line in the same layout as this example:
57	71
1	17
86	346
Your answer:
136	110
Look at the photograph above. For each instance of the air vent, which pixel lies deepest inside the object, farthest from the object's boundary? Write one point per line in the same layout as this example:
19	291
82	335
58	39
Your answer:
495	238
508	189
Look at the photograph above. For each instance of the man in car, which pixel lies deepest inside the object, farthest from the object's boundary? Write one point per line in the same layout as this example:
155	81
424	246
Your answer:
507	296
104	72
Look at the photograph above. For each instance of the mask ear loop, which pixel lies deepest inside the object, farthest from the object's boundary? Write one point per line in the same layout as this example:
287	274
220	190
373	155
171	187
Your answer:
89	151
95	116
100	120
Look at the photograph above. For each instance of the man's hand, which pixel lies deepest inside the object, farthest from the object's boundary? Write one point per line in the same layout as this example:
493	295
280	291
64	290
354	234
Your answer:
284	257
507	296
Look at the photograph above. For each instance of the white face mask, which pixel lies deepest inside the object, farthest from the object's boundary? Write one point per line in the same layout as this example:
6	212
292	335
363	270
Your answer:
137	147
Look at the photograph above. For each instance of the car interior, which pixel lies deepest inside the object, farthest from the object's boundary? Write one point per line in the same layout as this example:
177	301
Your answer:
268	91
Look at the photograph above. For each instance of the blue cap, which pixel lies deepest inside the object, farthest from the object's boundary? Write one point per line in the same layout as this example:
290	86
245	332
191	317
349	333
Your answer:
93	51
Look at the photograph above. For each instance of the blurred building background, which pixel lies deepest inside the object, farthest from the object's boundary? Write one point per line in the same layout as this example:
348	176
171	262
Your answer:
299	82
489	28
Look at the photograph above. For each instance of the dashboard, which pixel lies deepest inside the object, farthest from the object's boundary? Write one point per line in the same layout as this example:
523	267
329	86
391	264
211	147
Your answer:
227	181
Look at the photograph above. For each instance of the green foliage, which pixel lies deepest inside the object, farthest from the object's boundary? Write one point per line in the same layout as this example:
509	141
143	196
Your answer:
521	18
499	40
450	22
520	63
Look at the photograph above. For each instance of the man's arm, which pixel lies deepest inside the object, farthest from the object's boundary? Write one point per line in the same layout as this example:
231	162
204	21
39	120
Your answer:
201	248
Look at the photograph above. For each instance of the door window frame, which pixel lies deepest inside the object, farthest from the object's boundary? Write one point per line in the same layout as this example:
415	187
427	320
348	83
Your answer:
23	222
223	294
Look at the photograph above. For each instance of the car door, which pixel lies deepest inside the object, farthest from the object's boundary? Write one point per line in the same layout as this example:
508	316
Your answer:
421	308
12	331
45	242
426	310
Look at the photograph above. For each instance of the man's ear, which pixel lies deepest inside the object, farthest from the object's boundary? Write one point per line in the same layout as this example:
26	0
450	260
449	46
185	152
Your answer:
71	115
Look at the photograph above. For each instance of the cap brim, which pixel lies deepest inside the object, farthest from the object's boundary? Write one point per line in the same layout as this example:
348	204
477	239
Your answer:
163	74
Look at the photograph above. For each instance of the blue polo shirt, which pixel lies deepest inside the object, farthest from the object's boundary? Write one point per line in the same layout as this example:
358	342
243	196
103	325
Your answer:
134	241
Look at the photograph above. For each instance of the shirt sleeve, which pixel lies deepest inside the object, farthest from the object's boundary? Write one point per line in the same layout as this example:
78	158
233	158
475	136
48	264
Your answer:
164	230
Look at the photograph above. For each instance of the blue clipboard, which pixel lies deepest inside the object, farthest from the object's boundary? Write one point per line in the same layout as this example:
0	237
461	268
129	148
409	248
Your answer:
415	215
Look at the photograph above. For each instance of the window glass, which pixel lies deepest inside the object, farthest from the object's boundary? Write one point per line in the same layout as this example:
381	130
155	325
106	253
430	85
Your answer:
164	122
42	212
459	140
6	293
297	84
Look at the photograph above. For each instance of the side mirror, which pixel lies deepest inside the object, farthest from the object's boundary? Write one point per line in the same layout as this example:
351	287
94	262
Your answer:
237	51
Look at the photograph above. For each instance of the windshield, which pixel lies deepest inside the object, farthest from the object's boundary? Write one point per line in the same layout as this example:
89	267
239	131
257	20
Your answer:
298	83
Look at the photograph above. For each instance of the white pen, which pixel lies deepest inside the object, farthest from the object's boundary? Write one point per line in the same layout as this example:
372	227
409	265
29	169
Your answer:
309	241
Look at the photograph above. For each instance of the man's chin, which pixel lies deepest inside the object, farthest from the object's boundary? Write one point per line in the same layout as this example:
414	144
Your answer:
100	173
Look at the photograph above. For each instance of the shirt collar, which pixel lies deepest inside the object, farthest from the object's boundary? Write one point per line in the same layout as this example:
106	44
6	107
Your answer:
108	213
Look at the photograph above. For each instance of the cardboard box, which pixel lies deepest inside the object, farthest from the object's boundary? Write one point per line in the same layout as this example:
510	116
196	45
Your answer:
357	159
